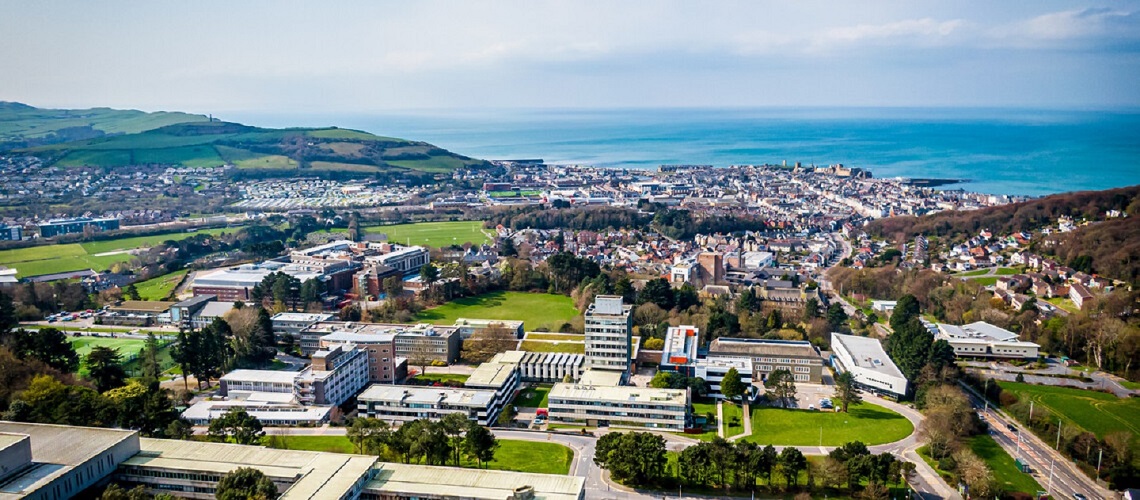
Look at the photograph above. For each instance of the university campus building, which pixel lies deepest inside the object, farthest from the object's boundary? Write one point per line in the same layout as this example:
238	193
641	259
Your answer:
797	356
868	364
55	462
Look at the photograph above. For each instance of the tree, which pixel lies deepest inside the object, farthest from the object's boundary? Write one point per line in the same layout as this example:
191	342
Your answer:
148	359
791	463
48	345
236	425
811	309
368	435
105	369
782	385
480	444
845	391
8	319
454	425
634	457
767	462
731	386
116	492
131	292
484	344
429	273
246	483
657	291
836	317
393	286
905	309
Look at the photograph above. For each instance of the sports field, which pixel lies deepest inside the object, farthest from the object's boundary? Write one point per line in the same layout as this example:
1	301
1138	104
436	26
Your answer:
126	347
159	287
1096	412
51	259
535	310
434	234
866	422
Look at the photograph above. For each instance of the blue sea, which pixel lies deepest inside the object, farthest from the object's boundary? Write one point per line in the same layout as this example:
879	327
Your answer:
999	151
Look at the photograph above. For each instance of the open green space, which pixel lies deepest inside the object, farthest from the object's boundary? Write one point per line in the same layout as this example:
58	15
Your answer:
1007	271
434	234
512	455
733	419
1064	303
988	281
432	164
555	336
160	287
534	397
565	347
536	310
865	422
443	377
51	259
976	272
126	347
1096	412
1002	465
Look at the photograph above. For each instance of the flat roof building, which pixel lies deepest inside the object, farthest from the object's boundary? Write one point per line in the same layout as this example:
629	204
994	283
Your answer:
548	366
619	406
56	462
609	334
404	403
435	342
469	326
983	340
868	363
797	356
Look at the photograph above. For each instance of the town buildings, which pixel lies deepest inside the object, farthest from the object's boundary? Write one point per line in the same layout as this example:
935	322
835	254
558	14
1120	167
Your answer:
416	342
868	364
57	227
404	403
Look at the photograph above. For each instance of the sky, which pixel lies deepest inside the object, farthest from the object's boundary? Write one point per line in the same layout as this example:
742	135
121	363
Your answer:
376	56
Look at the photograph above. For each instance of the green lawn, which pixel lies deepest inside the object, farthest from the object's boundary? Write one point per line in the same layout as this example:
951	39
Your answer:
989	281
1007	271
536	310
733	418
534	397
555	336
566	347
126	347
435	234
1002	465
160	287
51	259
513	455
442	377
1064	303
866	422
976	272
1096	412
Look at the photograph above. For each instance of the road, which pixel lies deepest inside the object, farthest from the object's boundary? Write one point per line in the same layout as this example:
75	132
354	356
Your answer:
1065	479
1047	376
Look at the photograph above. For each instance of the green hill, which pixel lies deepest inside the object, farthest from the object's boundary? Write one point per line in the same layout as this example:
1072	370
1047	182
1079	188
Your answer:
26	126
197	142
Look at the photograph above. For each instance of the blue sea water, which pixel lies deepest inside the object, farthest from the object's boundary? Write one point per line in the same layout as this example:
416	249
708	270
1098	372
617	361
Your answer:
1000	151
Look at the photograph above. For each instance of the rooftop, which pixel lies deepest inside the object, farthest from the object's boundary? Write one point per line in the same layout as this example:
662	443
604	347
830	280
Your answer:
763	347
428	395
492	374
979	330
301	317
623	394
56	449
480	484
597	377
268	376
868	353
153	306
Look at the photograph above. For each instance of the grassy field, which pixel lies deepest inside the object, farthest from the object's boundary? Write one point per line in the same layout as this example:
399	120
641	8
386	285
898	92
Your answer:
433	164
126	347
1096	412
1002	465
435	234
1064	303
554	336
866	422
513	455
160	287
534	397
566	347
536	310
989	281
442	377
1007	271
733	419
50	259
976	272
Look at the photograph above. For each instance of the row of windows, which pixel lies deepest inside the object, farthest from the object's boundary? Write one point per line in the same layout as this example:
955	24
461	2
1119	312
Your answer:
607	404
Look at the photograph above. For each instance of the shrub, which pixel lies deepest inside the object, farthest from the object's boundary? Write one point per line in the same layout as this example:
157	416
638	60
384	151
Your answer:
1007	398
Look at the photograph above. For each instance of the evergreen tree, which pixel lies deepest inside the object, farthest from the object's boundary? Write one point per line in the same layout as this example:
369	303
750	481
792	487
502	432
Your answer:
104	367
237	426
48	345
845	391
731	386
480	444
246	483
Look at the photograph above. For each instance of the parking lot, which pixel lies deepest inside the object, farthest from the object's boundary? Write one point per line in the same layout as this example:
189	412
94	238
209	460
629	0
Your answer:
808	395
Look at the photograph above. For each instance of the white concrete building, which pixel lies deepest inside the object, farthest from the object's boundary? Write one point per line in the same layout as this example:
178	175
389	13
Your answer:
868	363
619	406
548	366
404	403
983	340
609	332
